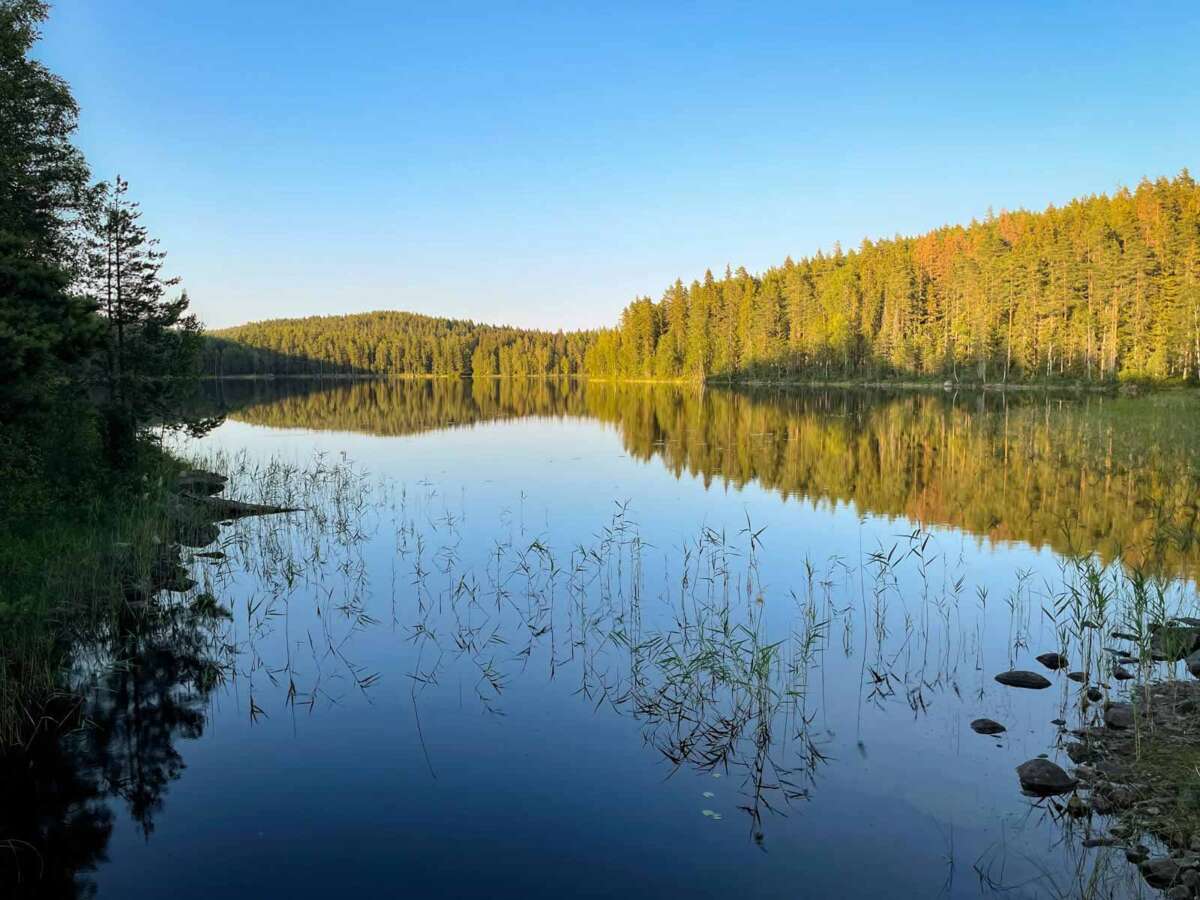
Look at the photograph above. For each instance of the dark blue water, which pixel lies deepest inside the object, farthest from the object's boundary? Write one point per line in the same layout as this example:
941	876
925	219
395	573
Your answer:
549	655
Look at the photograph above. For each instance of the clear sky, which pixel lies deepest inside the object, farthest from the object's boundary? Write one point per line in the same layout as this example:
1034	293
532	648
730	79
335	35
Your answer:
540	164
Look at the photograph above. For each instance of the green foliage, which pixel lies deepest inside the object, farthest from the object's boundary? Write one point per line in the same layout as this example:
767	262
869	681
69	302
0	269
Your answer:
43	328
390	343
63	500
1104	289
44	180
151	342
44	187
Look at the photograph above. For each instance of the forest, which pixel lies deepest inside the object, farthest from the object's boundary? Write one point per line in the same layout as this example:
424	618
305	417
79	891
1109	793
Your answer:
391	343
98	349
1103	289
89	323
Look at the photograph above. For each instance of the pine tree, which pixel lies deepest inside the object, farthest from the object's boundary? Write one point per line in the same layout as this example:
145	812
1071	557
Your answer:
151	339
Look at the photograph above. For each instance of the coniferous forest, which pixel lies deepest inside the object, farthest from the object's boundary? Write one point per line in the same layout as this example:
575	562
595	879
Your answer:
94	339
1104	288
98	353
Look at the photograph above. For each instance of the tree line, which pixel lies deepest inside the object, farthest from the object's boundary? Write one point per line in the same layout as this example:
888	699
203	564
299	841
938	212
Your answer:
93	335
391	343
1102	289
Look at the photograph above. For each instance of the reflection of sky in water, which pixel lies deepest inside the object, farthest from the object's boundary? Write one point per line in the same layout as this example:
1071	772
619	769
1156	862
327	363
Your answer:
561	795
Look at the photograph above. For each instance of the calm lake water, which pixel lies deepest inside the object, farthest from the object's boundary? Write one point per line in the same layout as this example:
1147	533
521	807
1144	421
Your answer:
537	639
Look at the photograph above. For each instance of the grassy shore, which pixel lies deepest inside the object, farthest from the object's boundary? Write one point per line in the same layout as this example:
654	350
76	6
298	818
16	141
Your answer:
74	534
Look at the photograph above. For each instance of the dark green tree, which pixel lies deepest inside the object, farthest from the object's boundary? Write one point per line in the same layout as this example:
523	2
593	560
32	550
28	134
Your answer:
152	343
44	189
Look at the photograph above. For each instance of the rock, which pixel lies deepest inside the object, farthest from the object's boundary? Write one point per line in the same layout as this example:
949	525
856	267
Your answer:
189	509
1059	722
1116	796
1125	636
987	726
1171	643
211	554
1081	753
221	509
1122	674
1193	663
195	534
1053	661
1020	679
1079	677
1116	770
1095	694
1191	878
1042	777
178	583
1119	715
197	481
1179	892
1160	872
1137	854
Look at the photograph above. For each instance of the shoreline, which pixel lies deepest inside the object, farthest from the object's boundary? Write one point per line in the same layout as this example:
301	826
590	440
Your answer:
1126	389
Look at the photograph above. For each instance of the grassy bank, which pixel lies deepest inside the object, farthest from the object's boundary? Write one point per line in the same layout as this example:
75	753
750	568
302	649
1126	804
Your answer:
74	535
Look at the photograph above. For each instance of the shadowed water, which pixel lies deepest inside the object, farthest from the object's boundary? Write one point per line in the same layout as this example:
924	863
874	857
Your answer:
550	639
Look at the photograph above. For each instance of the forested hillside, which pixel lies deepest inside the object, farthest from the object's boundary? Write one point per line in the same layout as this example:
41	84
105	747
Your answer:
1104	288
391	343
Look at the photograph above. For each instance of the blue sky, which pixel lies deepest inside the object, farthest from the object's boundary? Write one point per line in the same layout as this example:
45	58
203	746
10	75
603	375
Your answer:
540	164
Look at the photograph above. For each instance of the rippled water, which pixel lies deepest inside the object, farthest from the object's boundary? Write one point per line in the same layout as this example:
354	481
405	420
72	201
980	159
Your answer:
546	639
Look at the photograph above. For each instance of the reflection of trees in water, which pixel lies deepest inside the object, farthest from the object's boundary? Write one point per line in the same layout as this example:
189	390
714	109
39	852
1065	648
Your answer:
715	683
1118	477
144	685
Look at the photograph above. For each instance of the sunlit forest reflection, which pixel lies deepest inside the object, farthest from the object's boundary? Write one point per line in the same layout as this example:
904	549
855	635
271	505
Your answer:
1078	473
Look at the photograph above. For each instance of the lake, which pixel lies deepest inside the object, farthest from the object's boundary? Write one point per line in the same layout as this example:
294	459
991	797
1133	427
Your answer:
544	639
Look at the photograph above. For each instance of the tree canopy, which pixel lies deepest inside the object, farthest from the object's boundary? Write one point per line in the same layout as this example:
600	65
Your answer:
1104	288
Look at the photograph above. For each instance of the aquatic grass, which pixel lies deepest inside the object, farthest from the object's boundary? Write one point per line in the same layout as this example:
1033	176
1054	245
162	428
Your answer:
715	683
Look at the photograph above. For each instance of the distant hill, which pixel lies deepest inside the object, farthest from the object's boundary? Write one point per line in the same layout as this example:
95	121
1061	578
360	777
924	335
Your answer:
1104	288
391	343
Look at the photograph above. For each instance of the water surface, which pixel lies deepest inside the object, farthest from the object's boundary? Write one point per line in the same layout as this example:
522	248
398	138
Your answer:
549	639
